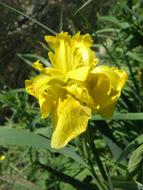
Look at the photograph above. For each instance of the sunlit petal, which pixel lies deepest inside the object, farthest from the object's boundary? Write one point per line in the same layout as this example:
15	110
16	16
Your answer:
80	92
83	45
72	121
37	65
71	52
99	89
62	51
104	86
37	85
80	73
116	76
45	105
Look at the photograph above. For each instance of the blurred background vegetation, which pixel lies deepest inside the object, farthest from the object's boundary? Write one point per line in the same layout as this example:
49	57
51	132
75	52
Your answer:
20	35
110	154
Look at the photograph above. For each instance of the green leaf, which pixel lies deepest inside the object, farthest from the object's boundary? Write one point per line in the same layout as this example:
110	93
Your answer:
111	141
42	59
114	148
130	185
124	25
135	56
131	146
121	116
135	160
114	20
27	61
134	144
21	182
111	19
105	30
19	137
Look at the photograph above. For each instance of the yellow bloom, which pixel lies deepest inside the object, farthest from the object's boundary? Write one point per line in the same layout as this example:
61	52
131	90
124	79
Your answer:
2	157
140	74
74	86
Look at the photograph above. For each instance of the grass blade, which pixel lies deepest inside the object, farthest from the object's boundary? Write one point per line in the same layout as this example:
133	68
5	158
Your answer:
86	3
30	55
121	116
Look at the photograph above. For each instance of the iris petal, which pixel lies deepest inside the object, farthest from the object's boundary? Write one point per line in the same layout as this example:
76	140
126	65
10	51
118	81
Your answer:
71	120
104	86
80	73
37	85
83	45
71	52
116	76
61	58
45	106
107	111
99	89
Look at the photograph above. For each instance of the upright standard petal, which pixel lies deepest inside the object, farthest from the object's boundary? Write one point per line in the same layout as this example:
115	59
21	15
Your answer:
83	45
62	56
71	119
71	53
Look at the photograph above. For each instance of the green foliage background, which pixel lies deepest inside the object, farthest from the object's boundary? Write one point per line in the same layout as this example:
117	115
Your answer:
109	154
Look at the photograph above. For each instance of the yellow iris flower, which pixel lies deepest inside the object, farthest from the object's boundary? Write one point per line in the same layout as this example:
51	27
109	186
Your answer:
2	157
74	86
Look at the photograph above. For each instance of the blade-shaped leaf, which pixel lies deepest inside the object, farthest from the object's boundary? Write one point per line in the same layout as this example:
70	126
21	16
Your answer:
121	116
20	137
135	160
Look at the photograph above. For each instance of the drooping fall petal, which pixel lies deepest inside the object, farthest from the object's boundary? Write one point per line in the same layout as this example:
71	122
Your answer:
71	120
